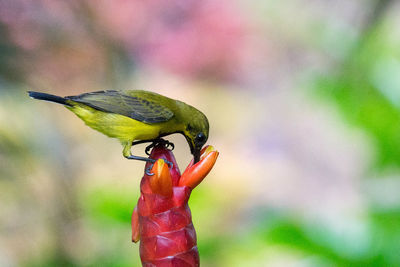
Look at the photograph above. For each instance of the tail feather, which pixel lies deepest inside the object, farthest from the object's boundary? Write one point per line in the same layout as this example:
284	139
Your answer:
48	97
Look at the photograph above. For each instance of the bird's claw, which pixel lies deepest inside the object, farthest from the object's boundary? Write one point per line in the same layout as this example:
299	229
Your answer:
163	142
170	164
148	170
147	150
169	144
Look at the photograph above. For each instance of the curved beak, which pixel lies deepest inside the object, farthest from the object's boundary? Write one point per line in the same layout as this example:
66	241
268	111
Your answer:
196	155
194	150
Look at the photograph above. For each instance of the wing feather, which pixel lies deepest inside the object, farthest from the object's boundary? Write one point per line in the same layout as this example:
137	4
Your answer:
131	105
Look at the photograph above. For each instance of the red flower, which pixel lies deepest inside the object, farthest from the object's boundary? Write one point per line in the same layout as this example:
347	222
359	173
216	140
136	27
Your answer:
162	219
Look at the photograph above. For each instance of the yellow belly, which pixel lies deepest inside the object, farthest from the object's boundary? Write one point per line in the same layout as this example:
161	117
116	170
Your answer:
117	126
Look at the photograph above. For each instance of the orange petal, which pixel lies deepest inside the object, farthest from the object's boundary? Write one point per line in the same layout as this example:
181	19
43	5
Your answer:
203	153
161	182
193	175
135	225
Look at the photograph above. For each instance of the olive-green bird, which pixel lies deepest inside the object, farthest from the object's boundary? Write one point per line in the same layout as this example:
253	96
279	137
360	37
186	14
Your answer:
136	116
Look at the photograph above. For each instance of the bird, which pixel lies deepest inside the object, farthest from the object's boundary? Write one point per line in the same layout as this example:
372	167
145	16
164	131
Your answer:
136	116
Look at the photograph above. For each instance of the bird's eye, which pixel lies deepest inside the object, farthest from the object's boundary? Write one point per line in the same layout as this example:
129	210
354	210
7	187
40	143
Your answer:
200	138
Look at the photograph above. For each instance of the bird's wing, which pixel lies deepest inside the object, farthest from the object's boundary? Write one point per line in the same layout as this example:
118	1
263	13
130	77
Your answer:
135	107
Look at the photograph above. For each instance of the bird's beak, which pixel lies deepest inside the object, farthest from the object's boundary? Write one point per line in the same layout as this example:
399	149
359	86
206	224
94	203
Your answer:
194	149
196	154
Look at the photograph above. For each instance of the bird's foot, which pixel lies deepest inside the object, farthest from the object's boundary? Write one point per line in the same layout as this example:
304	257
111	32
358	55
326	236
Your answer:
162	142
148	170
141	158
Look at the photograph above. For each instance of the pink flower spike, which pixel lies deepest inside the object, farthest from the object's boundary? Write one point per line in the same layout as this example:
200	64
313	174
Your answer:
162	219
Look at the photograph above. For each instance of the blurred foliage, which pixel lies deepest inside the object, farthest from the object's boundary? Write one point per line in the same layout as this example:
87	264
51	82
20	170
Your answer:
317	244
105	205
11	68
314	241
366	89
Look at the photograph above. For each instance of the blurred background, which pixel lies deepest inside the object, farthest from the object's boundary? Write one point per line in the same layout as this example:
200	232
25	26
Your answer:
303	99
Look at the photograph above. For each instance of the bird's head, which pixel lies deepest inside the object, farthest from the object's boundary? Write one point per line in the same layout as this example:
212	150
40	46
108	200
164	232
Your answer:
196	132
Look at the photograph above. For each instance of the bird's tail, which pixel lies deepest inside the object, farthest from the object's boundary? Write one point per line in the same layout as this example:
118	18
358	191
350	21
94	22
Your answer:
49	97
